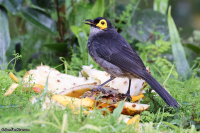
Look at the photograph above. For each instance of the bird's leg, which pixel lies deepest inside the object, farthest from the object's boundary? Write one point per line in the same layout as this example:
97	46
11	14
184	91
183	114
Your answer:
99	87
128	92
129	86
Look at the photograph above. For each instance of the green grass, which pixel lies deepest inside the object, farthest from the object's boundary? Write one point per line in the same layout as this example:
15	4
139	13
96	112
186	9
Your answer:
158	118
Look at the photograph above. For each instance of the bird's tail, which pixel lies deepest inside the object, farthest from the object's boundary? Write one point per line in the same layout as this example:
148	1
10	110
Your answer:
161	91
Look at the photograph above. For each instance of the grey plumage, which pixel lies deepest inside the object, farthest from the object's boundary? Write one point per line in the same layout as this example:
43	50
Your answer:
114	54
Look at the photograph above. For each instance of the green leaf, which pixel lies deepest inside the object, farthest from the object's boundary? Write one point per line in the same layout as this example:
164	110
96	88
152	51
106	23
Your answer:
196	119
82	40
91	127
12	6
39	19
97	10
83	10
160	6
4	35
194	48
117	111
182	65
148	22
48	4
172	126
60	47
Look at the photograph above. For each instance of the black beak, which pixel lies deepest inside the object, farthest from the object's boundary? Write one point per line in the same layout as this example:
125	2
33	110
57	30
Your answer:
91	22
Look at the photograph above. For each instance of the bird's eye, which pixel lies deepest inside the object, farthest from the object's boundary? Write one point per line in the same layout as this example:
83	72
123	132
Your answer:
102	23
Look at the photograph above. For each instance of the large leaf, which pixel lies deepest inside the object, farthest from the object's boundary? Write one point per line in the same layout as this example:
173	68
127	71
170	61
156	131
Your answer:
82	40
194	48
97	10
86	11
147	22
177	48
12	6
4	35
39	19
48	4
82	12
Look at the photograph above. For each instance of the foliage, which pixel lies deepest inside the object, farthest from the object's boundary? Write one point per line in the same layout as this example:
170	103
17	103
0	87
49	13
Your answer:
52	32
152	53
147	23
18	113
160	6
40	19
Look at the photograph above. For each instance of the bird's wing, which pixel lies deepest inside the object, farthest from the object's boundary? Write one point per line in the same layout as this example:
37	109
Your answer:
118	52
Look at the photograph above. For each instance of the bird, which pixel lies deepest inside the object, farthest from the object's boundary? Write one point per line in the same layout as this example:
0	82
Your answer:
113	53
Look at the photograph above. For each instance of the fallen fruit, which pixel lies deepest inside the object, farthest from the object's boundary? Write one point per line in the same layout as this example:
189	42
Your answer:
11	89
13	77
108	100
135	120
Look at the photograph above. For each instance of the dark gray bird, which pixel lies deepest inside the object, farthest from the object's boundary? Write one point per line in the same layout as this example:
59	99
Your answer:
114	54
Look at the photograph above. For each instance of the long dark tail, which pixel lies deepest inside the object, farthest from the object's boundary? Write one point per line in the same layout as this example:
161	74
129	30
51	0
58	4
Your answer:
161	91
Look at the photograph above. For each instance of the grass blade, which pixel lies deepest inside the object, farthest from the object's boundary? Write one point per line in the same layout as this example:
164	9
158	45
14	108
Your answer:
92	127
172	126
64	123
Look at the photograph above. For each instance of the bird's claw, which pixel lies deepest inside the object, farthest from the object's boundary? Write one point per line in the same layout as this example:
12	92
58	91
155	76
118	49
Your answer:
99	89
128	97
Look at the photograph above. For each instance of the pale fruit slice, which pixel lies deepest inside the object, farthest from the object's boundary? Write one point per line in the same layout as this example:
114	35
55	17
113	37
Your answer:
56	80
137	85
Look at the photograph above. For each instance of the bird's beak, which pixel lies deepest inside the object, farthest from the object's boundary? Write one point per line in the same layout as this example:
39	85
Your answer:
91	22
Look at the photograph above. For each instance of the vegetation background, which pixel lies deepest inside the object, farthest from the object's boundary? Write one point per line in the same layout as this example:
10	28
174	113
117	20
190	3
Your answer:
165	33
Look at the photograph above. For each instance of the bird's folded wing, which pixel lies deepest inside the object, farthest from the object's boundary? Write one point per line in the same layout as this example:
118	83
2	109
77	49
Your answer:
122	56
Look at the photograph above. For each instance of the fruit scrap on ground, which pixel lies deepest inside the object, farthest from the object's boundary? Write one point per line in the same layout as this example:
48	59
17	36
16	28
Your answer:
75	92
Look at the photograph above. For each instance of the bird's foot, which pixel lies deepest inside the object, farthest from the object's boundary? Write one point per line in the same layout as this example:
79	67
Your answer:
99	89
128	97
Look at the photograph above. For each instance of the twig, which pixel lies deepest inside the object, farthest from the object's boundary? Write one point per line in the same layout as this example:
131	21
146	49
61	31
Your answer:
59	21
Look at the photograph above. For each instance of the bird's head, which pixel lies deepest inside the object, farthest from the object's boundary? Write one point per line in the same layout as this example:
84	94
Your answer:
100	23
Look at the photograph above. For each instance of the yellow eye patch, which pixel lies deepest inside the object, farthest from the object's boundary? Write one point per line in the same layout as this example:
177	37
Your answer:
102	24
